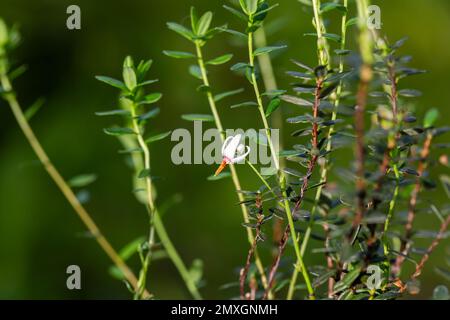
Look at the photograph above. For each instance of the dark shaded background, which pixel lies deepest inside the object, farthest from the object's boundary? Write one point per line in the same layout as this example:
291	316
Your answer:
39	233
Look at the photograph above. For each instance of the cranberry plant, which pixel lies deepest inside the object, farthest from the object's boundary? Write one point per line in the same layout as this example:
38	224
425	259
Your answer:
349	189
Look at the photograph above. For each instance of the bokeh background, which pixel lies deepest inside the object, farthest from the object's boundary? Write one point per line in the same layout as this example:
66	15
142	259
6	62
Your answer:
39	233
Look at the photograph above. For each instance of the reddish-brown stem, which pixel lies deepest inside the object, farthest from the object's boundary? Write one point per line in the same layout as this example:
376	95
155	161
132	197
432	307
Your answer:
251	251
439	237
406	243
361	101
384	165
276	261
310	169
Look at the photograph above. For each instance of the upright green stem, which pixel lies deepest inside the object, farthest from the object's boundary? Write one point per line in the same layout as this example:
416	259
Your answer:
322	43
270	83
391	207
260	102
282	178
300	265
63	186
234	176
156	223
323	56
325	168
151	206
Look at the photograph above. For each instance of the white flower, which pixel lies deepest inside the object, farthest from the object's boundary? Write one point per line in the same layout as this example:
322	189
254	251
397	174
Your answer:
232	151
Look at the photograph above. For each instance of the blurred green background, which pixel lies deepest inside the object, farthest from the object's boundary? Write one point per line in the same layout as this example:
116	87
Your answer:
39	233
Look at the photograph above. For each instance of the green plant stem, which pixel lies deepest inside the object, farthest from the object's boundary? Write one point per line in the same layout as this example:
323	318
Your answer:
276	118
322	43
156	222
324	172
234	176
64	187
392	204
260	102
270	83
151	205
282	178
300	264
323	53
261	178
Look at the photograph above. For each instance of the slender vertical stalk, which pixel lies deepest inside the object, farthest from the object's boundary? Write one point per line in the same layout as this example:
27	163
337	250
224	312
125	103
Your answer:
282	180
260	102
365	75
270	84
325	168
156	223
406	243
63	186
324	59
439	237
234	176
244	271
392	204
312	164
151	206
300	265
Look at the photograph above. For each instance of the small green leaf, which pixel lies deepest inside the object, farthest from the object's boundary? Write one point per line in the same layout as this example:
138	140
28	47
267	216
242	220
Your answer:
264	50
430	117
181	30
116	131
329	6
82	180
273	105
342	52
195	71
410	93
179	54
204	22
239	66
329	36
118	112
224	95
296	100
352	22
235	33
151	98
220	60
244	104
158	137
197	117
251	6
112	82
220	176
347	280
194	20
4	34
203	88
144	174
131	248
129	77
34	108
148	115
196	271
274	93
145	83
293	172
237	13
